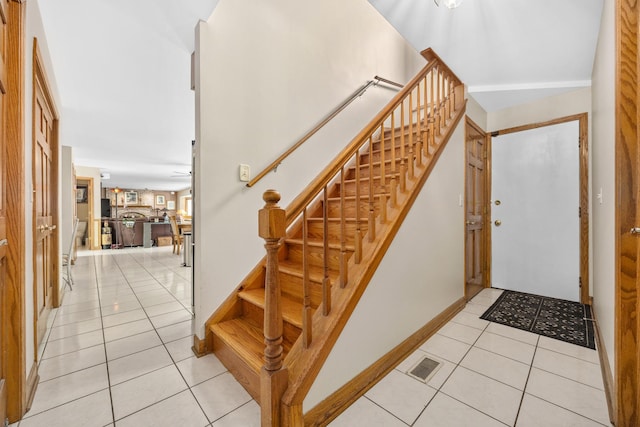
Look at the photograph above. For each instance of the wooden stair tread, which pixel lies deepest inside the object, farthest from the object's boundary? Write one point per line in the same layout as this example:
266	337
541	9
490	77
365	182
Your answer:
316	273
291	310
388	175
318	243
353	197
320	219
246	341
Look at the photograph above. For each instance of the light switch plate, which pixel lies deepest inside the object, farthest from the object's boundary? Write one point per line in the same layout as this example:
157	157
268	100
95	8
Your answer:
245	173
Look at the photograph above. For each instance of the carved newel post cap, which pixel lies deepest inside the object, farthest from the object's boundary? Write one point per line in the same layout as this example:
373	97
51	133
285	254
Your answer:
271	218
271	197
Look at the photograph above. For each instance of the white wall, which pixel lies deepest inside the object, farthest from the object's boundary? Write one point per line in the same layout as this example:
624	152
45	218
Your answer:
266	73
553	107
88	172
34	28
422	274
603	155
476	112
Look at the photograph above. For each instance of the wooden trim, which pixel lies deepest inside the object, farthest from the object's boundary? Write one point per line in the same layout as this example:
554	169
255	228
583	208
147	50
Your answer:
605	368
199	347
33	379
627	329
585	283
40	79
488	164
582	119
14	304
91	221
327	410
487	214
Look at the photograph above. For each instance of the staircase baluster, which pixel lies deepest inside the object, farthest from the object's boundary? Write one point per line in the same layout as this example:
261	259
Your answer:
410	160
439	97
452	105
307	332
425	129
432	115
403	170
358	237
383	178
326	283
394	183
344	273
418	128
273	377
442	116
448	98
372	217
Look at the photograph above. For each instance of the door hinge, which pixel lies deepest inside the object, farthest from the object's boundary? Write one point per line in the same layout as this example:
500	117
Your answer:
580	281
580	212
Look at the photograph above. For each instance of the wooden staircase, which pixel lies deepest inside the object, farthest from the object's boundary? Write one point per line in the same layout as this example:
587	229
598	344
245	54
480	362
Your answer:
334	236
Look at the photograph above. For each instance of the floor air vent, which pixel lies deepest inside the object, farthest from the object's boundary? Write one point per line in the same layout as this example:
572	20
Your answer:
424	369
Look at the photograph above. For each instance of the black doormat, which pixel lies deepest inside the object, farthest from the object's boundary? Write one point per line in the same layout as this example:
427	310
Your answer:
554	318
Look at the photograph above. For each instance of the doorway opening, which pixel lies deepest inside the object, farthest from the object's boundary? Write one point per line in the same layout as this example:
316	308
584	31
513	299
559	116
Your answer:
85	236
539	209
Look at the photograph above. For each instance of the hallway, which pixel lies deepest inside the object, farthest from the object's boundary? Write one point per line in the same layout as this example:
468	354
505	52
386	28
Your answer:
119	350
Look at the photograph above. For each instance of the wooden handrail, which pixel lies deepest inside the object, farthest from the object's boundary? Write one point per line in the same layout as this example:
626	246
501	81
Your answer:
357	93
295	207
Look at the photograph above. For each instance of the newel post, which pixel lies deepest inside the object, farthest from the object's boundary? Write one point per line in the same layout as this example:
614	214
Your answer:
273	377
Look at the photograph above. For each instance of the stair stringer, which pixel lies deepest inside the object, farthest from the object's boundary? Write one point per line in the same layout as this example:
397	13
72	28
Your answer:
305	364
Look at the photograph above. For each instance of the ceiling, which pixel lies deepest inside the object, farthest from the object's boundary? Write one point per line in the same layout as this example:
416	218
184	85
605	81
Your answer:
123	70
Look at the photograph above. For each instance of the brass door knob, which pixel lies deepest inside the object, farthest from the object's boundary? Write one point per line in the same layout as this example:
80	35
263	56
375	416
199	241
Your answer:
497	222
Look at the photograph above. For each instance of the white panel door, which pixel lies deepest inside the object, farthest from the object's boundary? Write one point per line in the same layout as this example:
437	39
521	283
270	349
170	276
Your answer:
535	194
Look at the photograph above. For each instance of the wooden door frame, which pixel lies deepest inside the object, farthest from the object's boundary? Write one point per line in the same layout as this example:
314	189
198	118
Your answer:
582	119
627	152
39	78
93	244
14	330
486	274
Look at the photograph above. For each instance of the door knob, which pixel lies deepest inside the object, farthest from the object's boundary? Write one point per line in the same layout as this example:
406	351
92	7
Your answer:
497	222
635	230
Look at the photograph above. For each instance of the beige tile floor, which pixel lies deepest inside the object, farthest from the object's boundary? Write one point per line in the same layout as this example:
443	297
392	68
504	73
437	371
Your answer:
118	354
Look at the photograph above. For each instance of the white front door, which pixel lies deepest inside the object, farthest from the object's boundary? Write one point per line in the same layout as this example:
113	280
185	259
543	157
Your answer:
535	225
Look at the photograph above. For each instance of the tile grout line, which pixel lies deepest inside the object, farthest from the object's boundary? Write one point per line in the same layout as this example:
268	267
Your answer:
524	389
164	345
104	341
439	389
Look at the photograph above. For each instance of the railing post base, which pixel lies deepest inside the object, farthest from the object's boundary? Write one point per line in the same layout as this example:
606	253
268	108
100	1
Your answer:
272	386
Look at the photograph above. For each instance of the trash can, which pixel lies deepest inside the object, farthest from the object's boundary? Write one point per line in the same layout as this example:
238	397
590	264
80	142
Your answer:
187	252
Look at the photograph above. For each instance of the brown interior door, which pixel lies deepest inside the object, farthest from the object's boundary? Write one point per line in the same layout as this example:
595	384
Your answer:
3	222
475	202
44	229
